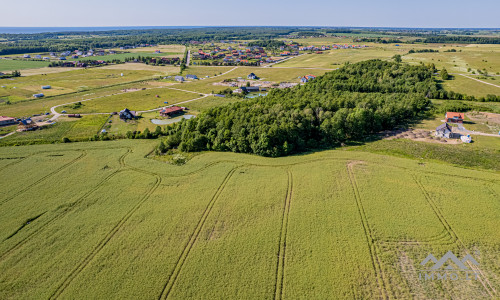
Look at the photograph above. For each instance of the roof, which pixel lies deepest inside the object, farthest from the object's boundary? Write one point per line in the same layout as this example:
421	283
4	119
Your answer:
4	118
171	109
451	115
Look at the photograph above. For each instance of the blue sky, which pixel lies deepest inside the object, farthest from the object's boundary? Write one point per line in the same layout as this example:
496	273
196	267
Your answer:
383	13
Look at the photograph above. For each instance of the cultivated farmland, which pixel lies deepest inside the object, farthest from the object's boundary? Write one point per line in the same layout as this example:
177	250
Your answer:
224	225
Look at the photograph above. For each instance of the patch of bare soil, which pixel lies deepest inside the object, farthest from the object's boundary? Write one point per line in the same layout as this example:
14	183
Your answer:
420	135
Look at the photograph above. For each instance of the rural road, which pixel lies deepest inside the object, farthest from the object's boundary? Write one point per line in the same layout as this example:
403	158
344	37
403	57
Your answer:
188	58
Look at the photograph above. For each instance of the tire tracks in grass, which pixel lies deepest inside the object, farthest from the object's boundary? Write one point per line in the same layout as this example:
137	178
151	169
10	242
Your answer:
29	186
372	247
280	264
168	286
484	280
66	210
83	264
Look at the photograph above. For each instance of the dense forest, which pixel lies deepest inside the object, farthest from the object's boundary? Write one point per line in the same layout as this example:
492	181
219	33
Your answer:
340	106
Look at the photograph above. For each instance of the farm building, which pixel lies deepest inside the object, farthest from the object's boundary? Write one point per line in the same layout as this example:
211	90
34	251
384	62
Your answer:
127	114
27	56
38	95
46	87
189	76
252	76
454	117
250	89
27	125
444	130
171	111
7	121
179	78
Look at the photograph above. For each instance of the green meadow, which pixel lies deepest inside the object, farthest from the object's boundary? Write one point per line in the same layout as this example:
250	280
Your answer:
11	65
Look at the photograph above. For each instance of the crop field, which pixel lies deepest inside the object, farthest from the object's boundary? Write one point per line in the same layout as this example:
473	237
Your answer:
224	225
11	65
122	56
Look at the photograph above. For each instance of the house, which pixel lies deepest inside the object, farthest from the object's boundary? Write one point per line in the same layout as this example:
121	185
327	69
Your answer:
27	56
444	130
303	80
38	56
7	121
38	95
46	87
179	78
171	111
454	117
27	124
127	114
189	76
252	76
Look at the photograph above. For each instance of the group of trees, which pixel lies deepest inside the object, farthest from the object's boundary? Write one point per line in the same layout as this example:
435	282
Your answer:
422	51
343	105
157	61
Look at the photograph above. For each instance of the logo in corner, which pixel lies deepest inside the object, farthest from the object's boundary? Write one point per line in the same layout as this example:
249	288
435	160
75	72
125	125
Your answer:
449	267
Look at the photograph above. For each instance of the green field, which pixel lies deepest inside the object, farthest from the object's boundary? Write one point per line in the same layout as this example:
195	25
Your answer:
11	65
345	223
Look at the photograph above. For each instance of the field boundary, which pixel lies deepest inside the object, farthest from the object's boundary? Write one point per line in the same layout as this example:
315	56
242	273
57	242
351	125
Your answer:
167	288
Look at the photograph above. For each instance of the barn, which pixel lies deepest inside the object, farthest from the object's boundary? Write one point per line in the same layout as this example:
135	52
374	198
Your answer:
171	111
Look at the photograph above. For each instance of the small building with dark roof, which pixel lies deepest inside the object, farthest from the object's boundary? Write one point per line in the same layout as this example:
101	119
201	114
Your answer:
127	114
171	111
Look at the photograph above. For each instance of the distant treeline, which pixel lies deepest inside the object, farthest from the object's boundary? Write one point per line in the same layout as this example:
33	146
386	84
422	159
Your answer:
380	40
157	61
422	51
266	44
461	40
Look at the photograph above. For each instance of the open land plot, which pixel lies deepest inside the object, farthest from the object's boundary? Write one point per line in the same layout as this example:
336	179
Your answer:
138	101
74	129
468	86
202	71
467	56
22	88
336	58
160	70
265	74
11	65
240	226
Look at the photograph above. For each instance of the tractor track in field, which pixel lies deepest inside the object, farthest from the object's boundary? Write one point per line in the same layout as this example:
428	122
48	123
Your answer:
444	238
280	265
78	269
168	286
29	186
483	279
15	161
65	211
372	247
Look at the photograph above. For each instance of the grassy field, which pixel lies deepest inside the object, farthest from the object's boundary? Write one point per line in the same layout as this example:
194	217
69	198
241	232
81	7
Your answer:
467	86
74	129
343	224
122	56
11	65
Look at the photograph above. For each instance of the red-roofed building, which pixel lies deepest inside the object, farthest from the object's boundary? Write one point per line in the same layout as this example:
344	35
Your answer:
454	117
171	111
7	121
